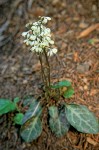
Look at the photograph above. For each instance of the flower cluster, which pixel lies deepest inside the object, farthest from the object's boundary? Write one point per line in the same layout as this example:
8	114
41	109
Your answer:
38	37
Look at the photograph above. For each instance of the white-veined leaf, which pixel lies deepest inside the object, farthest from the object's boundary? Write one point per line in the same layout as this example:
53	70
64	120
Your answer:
35	109
58	121
32	129
82	119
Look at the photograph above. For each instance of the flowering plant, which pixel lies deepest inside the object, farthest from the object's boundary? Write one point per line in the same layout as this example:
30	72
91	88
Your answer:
38	37
61	115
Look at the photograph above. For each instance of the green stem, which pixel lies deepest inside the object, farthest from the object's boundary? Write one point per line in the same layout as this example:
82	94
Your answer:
42	71
48	67
57	59
45	70
48	90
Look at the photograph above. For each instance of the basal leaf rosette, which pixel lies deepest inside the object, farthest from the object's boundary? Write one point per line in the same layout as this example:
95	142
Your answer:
38	37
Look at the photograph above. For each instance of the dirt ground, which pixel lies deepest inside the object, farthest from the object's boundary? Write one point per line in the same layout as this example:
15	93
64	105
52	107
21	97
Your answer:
79	62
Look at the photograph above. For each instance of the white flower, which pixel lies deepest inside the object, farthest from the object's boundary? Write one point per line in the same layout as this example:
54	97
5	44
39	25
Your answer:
54	50
32	37
33	48
38	40
51	42
48	38
28	35
38	49
44	21
51	52
48	18
44	44
24	34
35	43
31	43
26	41
34	28
38	37
46	32
35	24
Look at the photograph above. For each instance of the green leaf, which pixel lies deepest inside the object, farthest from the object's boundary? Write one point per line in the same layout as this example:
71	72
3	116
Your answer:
6	106
82	119
61	84
68	93
32	129
18	118
16	100
58	121
35	109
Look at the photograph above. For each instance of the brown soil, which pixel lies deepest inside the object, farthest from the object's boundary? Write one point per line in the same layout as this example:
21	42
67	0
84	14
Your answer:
20	69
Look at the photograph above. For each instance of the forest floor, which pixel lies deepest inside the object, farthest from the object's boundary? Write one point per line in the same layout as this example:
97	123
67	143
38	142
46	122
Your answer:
20	69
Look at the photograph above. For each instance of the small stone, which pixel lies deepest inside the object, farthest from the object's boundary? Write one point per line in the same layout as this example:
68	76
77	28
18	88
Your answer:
25	81
23	145
85	80
85	87
94	8
83	25
91	141
28	145
87	93
83	68
27	71
81	88
55	2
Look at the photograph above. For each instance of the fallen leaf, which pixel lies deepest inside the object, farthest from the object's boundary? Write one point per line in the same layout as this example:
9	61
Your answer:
91	141
87	31
93	92
62	29
83	25
85	80
85	87
73	138
76	57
